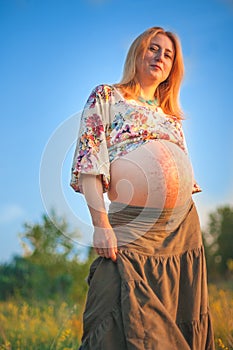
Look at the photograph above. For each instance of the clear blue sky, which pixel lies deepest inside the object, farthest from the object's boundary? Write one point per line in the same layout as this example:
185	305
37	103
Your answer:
53	52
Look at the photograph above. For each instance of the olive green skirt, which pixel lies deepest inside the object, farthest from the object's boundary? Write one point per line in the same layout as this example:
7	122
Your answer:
155	296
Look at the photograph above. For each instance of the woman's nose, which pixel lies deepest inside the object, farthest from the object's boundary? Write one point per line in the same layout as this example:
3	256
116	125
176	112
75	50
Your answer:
159	55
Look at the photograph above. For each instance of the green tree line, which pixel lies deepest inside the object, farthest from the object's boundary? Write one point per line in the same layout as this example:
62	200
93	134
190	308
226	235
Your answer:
50	269
218	241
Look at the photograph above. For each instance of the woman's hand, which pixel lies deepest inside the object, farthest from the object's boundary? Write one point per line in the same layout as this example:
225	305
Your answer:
105	242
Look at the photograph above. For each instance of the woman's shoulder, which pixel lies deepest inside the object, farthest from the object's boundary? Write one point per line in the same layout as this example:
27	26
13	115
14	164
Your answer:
99	94
104	91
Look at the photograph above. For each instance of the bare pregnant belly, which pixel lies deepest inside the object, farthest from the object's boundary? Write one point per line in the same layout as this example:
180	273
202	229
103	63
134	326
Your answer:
157	174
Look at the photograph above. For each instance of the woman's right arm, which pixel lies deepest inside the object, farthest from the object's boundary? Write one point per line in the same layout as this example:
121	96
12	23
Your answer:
104	240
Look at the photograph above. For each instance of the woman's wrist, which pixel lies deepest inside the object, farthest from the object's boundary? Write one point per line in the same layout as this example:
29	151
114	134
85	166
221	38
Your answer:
101	222
99	218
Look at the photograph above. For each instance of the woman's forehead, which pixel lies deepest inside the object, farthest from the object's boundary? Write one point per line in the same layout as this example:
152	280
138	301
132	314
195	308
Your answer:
162	40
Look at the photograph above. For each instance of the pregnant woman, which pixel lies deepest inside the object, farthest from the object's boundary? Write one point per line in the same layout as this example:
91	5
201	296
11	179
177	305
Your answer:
147	288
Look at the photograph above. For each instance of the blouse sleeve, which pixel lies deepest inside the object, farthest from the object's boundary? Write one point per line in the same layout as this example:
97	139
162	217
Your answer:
91	153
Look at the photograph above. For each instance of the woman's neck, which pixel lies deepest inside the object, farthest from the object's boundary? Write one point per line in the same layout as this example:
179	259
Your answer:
147	91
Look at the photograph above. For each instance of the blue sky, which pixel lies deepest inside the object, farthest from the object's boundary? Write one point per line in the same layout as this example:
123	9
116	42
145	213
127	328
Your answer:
53	52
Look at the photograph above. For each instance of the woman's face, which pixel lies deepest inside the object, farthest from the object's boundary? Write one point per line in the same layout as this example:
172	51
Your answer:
157	62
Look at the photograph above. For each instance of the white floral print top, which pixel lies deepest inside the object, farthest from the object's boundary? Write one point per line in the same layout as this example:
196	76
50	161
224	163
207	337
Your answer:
112	126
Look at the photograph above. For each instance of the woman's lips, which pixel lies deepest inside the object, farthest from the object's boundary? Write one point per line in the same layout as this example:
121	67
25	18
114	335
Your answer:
156	66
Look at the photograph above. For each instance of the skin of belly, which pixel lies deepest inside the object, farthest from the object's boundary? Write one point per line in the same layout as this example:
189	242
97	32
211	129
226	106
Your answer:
157	174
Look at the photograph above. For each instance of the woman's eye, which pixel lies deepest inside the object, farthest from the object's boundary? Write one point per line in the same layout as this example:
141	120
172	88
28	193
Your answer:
153	48
168	56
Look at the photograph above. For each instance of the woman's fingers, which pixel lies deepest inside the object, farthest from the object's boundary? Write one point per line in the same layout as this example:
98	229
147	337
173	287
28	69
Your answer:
112	253
109	253
99	251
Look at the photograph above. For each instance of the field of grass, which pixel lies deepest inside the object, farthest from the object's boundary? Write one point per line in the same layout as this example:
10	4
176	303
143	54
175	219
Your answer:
51	327
221	304
59	327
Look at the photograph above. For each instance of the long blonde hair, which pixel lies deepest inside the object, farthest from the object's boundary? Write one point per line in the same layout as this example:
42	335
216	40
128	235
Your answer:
168	91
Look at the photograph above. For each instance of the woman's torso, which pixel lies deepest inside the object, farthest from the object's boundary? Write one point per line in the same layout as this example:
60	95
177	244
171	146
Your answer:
157	174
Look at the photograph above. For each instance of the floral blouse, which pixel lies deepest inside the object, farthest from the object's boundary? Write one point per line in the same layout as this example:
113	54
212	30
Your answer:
112	126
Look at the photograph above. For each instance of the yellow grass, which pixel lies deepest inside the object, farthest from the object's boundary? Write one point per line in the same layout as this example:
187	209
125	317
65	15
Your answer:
221	304
24	327
59	327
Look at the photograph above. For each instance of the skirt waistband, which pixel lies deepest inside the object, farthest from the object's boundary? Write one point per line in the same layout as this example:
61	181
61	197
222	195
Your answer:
131	223
120	213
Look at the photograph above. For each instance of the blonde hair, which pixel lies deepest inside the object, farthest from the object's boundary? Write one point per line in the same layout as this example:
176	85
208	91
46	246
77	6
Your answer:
168	91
